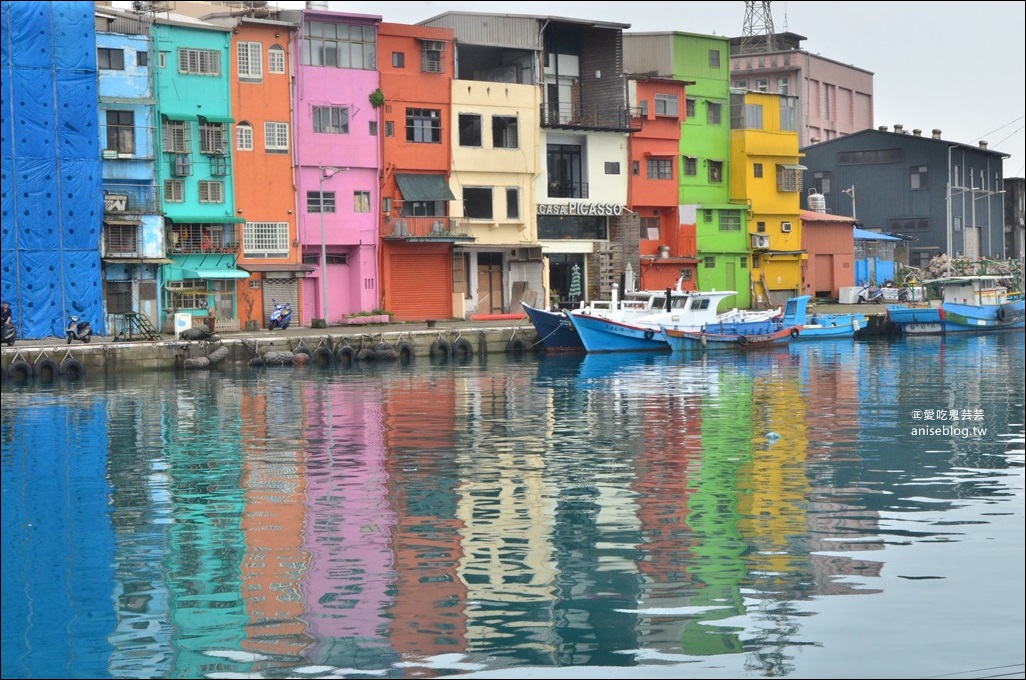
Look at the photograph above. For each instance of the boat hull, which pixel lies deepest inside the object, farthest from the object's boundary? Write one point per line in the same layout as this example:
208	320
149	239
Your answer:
555	330
605	335
950	318
704	341
825	327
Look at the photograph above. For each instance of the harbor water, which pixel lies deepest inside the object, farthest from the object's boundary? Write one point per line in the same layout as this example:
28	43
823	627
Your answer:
835	509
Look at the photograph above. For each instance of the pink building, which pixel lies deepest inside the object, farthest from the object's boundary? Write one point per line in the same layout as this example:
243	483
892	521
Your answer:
830	242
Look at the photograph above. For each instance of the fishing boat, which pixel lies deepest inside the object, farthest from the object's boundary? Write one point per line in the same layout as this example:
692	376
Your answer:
558	334
736	336
821	326
968	304
690	311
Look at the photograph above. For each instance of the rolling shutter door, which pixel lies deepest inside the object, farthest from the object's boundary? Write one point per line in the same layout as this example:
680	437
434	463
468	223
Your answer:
282	290
421	286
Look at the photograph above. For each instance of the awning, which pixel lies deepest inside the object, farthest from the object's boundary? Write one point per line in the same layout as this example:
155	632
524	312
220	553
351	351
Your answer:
214	273
865	235
216	119
122	221
137	260
792	166
424	188
178	116
191	219
281	267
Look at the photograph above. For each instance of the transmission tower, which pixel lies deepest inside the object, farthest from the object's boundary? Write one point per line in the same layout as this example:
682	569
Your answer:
757	34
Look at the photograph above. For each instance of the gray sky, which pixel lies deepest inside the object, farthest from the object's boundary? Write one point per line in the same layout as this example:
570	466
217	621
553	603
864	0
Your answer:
955	66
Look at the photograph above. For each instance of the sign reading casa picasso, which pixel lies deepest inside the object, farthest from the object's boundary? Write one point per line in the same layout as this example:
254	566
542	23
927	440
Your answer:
590	209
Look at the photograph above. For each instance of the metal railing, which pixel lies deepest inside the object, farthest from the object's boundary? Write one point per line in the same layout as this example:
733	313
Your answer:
588	116
427	228
135	198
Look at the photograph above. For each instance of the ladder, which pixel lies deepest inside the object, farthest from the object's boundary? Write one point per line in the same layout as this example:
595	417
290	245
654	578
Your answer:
138	325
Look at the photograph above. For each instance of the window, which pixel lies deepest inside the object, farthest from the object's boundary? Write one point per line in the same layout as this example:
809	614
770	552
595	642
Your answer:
199	62
742	262
612	168
265	239
713	113
635	168
512	203
212	137
174	191
219	165
505	133
111	59
244	137
643	108
331	119
276	137
389	128
398	60
276	59
361	201
121	239
709	263
761	85
707	215
650	228
757	170
250	61
760	227
785	227
716	172
788	179
372	128
741	84
470	129
746	117
142	58
181	165
690	166
118	295
789	114
211	191
666	105
714	58
825	100
423	126
477	203
318	202
730	220
783	85
431	56
918	175
689	107
338	45
121	131
821	181
660	168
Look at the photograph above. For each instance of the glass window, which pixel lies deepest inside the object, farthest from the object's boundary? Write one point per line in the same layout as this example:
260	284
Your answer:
470	129
716	172
512	203
690	166
398	60
339	45
121	131
244	137
714	113
110	59
276	137
666	105
318	201
276	59
250	56
361	201
660	168
423	126
331	119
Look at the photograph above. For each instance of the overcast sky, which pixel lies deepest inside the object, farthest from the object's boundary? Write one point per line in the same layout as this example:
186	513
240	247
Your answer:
955	66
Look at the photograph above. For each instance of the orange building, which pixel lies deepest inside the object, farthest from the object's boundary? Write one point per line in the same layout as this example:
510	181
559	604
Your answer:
417	232
666	247
265	195
830	242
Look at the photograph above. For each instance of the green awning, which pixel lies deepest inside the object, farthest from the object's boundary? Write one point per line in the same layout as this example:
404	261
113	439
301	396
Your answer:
210	118
178	116
424	188
214	273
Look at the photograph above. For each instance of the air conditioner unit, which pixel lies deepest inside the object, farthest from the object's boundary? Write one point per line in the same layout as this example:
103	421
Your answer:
785	227
760	241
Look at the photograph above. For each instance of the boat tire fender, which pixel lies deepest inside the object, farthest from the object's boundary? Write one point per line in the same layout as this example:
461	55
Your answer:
323	358
1001	314
72	369
742	340
649	335
20	371
441	349
795	332
405	351
47	371
515	346
463	348
345	356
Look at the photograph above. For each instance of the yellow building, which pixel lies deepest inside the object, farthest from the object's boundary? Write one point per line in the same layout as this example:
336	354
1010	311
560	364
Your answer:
766	172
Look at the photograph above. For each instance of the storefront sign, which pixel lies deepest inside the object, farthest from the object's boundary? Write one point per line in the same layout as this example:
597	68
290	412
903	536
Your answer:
590	209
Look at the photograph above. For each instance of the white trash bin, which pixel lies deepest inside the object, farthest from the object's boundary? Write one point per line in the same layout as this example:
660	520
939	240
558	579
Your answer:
183	322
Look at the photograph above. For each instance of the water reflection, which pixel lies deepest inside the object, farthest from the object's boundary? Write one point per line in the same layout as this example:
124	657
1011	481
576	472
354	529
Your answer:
698	514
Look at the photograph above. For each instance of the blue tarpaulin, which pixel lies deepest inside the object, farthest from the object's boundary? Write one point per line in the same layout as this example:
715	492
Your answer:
52	177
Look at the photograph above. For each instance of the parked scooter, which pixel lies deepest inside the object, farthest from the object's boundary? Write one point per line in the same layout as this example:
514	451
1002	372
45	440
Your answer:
868	294
78	330
281	317
9	334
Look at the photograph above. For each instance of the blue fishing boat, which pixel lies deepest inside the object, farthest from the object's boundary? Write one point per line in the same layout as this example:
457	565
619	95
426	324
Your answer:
968	304
736	336
821	326
555	330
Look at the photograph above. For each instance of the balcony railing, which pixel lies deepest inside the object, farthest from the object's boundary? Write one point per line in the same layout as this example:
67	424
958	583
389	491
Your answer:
136	199
576	115
558	189
126	142
427	228
193	239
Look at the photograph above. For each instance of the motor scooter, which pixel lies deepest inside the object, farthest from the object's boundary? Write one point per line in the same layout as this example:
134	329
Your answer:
8	335
867	294
281	317
78	330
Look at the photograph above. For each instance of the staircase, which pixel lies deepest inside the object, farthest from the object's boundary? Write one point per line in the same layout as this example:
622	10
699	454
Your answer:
137	326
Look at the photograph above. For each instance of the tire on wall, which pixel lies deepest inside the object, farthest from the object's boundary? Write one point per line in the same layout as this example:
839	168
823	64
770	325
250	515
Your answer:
441	350
322	358
345	356
72	369
406	353
47	371
515	347
463	349
20	371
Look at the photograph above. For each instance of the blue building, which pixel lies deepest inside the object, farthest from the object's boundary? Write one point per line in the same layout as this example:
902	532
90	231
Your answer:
52	200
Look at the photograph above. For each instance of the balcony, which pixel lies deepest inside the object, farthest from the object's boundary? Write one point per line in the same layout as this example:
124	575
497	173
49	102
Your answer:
189	239
578	116
134	199
427	229
127	142
567	189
